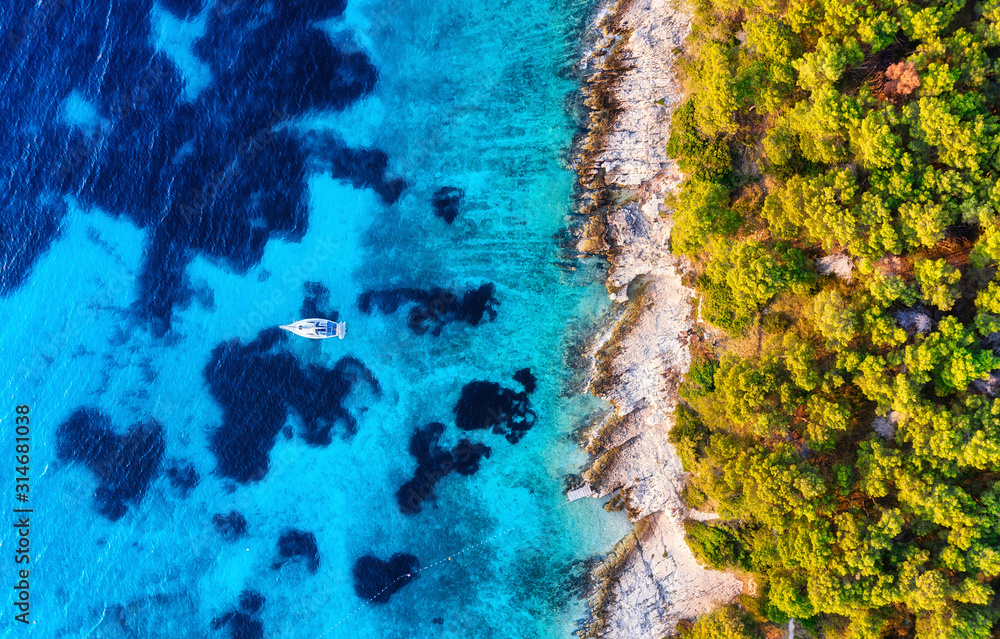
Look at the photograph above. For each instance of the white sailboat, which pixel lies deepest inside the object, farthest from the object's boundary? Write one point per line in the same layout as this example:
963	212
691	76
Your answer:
315	328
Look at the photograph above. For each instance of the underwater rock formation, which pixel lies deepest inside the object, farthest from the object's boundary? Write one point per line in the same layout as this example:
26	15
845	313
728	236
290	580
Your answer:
433	308
258	383
251	601
232	526
182	476
317	302
361	167
467	454
25	235
294	544
377	580
124	465
489	405
242	623
526	379
434	463
446	202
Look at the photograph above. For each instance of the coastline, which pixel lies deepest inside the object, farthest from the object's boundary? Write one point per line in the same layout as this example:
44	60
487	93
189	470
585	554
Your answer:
650	580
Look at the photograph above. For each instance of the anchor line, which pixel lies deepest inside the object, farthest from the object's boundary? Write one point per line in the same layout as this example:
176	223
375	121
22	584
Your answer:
428	567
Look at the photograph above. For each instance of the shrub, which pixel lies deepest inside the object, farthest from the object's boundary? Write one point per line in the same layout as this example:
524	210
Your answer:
701	375
775	323
717	545
699	157
720	308
727	622
700	210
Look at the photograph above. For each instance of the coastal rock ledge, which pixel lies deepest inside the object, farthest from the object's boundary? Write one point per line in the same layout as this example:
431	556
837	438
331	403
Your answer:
651	579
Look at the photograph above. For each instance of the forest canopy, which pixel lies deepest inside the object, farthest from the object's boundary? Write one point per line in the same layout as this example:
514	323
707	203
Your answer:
841	208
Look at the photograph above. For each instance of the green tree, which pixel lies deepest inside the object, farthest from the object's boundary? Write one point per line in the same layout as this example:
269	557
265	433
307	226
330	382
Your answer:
988	302
987	248
717	545
688	435
827	63
800	360
952	621
938	282
822	123
865	625
790	595
715	94
875	144
834	318
821	206
776	47
880	157
923	223
727	622
826	418
948	357
961	143
701	209
881	329
755	274
887	289
879	465
698	156
769	486
751	393
781	145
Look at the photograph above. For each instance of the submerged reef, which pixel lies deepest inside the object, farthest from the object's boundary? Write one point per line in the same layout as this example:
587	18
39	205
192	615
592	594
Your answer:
482	405
361	167
377	580
258	383
317	302
24	236
182	476
433	308
526	379
489	405
434	463
232	526
124	465
446	202
242	622
251	601
212	173
295	544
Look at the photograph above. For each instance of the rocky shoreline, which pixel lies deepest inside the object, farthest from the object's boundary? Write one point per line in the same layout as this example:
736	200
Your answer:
650	580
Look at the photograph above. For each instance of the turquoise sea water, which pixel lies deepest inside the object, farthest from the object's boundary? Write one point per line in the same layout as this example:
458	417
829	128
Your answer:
469	95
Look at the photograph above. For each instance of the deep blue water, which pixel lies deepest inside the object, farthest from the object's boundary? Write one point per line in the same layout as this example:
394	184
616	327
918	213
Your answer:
182	177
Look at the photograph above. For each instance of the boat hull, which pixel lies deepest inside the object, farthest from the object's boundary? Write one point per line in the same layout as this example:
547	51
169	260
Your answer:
317	328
